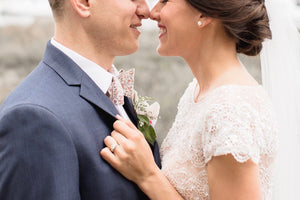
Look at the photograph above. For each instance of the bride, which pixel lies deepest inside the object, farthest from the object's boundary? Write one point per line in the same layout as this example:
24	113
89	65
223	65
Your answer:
223	142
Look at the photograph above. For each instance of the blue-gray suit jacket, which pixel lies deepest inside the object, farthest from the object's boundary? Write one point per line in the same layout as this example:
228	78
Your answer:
52	129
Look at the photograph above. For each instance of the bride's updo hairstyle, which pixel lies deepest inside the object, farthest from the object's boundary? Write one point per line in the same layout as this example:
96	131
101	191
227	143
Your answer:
245	20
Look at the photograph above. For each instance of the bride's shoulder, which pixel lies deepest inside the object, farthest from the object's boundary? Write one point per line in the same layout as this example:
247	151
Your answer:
247	98
240	106
240	94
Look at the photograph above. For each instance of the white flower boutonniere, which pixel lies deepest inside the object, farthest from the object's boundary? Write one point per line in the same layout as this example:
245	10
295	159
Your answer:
147	116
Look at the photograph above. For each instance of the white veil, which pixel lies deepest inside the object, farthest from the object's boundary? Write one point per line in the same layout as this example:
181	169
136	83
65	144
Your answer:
280	63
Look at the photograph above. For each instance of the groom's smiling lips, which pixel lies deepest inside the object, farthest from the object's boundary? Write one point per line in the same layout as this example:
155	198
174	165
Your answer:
135	27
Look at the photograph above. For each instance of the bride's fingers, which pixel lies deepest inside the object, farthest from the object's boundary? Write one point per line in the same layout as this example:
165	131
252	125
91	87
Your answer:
125	130
112	145
119	138
107	154
126	121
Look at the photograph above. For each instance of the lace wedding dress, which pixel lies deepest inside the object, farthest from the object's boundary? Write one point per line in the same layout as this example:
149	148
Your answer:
232	119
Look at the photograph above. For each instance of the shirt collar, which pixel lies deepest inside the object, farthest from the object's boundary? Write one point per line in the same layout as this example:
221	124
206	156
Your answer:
98	74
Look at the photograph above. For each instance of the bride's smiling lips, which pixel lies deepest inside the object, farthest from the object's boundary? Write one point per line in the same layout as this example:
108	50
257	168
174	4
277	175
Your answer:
162	30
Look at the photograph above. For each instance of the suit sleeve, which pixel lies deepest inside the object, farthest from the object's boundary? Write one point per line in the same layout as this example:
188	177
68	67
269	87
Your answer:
38	159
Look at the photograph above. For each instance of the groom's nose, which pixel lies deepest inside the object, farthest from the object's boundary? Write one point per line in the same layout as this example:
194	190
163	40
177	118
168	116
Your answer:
142	10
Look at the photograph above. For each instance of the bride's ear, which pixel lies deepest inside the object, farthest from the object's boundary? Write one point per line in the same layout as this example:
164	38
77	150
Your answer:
203	20
82	7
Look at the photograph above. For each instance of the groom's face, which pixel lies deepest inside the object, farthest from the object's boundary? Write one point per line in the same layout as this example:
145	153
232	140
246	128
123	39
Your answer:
114	24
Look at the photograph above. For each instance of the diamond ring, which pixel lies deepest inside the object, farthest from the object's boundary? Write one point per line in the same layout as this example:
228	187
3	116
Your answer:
113	147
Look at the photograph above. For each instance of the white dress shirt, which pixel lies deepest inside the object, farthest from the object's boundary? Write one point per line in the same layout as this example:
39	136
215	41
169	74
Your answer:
98	74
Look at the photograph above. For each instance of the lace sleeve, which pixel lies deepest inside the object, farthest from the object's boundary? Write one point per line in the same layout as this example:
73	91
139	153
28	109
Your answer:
238	128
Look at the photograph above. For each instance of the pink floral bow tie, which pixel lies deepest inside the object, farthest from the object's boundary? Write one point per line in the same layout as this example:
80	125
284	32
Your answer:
121	85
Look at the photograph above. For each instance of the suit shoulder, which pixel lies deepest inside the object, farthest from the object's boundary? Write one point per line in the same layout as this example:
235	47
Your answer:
27	111
25	122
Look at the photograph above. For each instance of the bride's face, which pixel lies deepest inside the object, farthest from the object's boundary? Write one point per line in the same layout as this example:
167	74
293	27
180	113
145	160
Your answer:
177	21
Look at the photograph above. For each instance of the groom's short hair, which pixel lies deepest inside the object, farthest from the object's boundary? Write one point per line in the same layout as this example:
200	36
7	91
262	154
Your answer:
57	8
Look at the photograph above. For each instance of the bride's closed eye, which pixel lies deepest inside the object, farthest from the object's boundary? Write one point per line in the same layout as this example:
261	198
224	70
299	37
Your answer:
163	1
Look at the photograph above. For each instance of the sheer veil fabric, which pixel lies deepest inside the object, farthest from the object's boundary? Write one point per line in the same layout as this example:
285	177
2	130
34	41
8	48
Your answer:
280	63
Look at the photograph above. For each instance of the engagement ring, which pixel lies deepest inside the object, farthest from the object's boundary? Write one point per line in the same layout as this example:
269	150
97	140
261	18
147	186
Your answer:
113	147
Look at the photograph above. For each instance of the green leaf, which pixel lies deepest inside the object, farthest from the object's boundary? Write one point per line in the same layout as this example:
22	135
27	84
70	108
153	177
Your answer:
145	127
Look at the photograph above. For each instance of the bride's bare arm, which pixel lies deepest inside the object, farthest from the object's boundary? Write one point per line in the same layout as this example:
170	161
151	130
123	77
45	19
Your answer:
133	159
229	179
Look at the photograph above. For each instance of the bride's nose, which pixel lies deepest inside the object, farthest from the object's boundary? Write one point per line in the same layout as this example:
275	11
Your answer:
155	12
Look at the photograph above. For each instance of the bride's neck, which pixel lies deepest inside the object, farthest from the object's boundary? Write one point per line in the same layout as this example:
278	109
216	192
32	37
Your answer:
215	68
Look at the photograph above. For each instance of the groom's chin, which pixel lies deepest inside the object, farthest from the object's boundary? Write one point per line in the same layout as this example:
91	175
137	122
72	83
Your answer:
130	49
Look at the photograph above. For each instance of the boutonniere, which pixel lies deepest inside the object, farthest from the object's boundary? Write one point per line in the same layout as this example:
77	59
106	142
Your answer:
147	116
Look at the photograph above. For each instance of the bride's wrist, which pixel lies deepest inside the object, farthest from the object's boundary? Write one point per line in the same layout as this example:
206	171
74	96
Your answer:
149	180
157	186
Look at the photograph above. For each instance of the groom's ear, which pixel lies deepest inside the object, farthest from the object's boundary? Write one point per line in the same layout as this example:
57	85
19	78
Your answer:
82	7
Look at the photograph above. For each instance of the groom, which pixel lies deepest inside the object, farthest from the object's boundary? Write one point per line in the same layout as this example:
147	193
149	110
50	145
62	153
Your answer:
53	125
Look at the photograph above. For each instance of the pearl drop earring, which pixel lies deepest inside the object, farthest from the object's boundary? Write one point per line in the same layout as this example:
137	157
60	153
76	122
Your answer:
199	23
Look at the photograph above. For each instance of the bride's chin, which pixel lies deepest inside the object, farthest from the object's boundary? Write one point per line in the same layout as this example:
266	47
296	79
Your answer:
162	52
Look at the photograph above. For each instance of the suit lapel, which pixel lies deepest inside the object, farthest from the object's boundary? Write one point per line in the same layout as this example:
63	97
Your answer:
73	75
128	106
91	92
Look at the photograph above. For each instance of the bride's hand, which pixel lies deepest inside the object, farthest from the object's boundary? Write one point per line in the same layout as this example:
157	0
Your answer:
132	156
